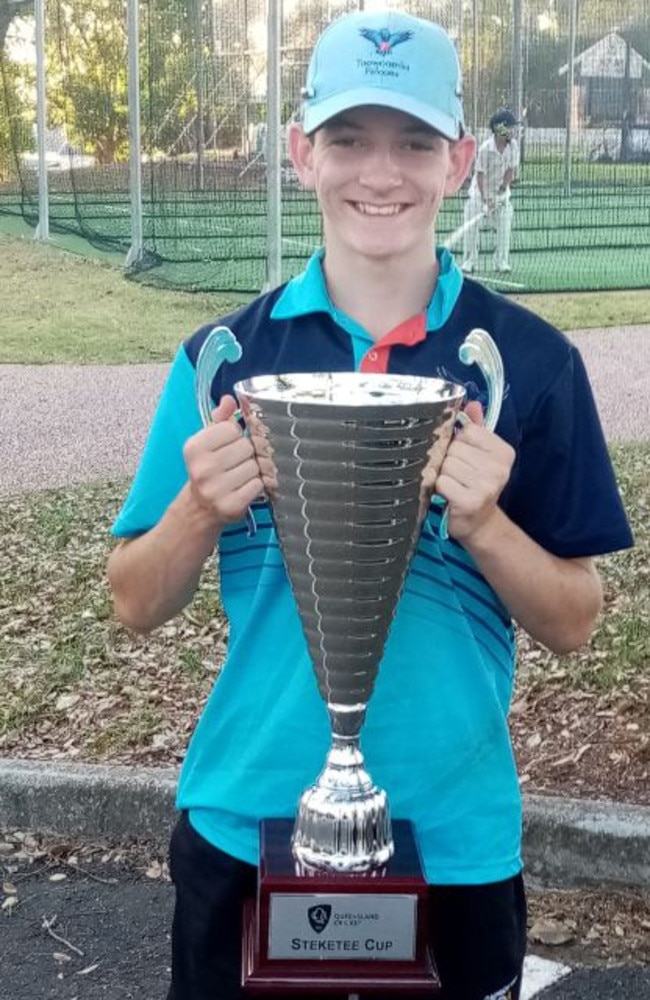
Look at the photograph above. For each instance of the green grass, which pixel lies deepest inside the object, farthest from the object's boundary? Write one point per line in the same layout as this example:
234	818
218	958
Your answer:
61	308
588	310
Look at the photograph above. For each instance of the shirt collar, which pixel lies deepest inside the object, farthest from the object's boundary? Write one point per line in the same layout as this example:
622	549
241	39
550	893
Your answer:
307	292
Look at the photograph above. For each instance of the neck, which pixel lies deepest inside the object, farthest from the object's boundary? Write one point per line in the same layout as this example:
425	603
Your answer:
380	294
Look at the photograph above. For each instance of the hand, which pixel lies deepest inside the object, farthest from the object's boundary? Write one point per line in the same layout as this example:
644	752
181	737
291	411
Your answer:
490	205
475	470
224	477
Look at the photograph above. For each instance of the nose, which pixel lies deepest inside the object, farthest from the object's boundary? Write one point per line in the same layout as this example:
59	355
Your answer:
379	170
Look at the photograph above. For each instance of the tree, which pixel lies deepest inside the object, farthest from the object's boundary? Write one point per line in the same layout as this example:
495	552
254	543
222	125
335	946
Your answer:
14	127
9	9
87	75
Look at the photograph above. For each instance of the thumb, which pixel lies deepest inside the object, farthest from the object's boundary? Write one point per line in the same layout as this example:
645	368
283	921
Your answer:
474	411
225	409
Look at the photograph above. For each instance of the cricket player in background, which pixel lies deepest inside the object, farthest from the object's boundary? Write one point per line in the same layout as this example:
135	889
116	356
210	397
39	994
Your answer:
489	192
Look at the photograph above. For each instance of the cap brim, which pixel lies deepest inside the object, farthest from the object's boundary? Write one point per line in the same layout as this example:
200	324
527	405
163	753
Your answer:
317	113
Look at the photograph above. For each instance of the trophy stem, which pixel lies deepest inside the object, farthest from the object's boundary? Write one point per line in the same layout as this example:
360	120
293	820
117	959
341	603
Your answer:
343	821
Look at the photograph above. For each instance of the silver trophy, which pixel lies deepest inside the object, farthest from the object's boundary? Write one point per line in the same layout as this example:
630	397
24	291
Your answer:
349	463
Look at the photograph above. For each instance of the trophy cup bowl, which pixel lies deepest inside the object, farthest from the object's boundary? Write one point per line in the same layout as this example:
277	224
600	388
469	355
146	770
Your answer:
349	462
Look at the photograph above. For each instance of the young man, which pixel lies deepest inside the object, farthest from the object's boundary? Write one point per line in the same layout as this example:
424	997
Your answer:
489	192
382	142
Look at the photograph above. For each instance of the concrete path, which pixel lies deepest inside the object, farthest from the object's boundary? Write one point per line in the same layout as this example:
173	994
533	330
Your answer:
64	424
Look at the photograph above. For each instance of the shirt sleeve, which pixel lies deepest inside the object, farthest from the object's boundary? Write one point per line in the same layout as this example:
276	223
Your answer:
161	473
563	490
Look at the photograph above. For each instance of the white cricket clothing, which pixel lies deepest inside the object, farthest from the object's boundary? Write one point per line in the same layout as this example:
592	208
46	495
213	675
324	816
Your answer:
494	165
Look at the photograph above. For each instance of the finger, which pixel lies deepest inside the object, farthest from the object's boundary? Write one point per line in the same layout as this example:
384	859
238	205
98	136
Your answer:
462	472
454	492
474	411
474	437
217	440
225	409
240	475
229	454
218	435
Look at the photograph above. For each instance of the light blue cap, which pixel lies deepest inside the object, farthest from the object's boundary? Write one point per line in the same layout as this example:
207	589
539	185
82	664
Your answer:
389	59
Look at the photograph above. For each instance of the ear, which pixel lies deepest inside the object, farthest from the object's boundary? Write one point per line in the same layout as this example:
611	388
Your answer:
301	151
461	157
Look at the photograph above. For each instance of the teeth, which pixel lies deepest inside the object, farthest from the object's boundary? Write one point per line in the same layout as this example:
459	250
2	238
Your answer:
367	209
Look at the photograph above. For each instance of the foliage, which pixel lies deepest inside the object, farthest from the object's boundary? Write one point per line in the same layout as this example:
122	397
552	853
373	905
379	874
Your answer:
15	132
196	72
87	75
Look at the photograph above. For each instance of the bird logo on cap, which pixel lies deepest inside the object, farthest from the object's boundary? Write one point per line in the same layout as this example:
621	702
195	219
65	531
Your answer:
385	40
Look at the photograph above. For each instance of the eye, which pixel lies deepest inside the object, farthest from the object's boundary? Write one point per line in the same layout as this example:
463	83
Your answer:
346	141
420	145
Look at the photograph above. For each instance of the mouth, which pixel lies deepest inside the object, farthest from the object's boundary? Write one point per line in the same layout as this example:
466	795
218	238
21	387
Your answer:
381	211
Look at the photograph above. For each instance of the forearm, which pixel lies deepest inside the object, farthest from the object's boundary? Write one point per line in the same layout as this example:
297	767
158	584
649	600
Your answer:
507	179
155	575
555	600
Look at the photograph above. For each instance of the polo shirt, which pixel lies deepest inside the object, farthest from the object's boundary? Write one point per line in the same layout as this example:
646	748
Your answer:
435	735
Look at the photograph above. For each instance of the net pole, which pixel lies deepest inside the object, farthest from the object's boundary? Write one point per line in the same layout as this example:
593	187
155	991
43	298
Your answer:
136	250
568	133
43	228
475	83
274	147
199	121
517	59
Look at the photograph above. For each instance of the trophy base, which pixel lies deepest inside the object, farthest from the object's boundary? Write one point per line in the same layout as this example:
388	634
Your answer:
326	933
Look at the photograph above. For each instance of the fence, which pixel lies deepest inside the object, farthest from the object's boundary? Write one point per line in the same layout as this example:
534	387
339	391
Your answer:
161	132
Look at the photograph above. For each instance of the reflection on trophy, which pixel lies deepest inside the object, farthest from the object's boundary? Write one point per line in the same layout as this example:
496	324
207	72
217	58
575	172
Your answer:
349	462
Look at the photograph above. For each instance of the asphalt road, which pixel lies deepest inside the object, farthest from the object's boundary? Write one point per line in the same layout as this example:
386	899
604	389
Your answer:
112	940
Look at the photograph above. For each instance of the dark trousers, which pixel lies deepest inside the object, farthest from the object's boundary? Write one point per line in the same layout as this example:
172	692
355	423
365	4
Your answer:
477	933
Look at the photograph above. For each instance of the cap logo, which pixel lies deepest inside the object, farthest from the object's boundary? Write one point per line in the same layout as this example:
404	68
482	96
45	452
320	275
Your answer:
385	40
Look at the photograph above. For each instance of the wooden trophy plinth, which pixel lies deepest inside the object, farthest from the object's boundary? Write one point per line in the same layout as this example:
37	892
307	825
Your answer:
325	933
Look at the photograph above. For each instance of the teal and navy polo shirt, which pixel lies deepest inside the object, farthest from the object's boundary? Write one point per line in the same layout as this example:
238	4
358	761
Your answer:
435	735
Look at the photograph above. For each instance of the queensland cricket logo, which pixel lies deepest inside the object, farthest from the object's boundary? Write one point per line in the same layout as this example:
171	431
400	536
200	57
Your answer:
319	917
385	40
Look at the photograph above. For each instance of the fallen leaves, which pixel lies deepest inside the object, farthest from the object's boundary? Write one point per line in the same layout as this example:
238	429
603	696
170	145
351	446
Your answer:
552	932
590	925
77	686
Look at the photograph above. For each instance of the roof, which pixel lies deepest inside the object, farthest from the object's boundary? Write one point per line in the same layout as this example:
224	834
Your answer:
607	58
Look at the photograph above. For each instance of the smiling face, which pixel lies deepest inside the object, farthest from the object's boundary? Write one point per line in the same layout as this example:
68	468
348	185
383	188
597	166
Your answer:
380	176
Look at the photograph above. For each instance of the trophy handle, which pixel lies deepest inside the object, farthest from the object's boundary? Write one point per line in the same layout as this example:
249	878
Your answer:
478	348
220	345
